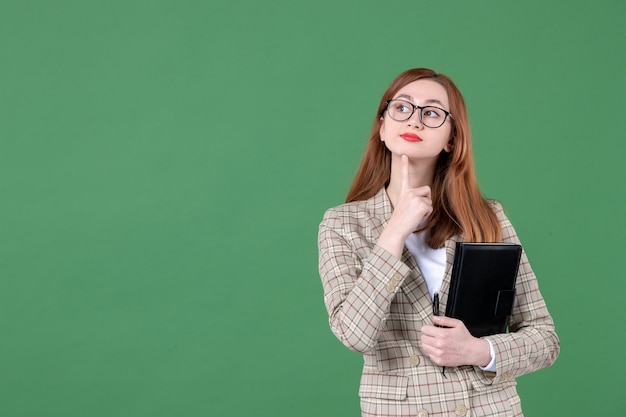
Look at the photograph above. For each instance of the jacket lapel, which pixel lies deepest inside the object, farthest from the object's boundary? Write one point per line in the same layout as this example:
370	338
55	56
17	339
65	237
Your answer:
379	211
414	286
445	285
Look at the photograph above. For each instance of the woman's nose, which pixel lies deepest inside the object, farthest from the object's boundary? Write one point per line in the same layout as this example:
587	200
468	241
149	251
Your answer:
414	120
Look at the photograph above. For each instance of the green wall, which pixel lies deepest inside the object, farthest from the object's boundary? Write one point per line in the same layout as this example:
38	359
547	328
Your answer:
164	166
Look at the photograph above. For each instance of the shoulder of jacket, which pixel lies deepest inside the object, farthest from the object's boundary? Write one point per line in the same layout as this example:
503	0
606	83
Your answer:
508	231
347	211
496	206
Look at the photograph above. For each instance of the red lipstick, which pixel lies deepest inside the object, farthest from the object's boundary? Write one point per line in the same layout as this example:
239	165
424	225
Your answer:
411	137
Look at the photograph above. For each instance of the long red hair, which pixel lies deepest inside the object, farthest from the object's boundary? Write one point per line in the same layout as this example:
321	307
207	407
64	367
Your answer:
458	205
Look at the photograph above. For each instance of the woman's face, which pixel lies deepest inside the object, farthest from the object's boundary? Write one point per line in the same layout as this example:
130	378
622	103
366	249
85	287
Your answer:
411	137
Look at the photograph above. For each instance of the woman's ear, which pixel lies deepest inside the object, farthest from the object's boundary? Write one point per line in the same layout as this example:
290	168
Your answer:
382	128
449	146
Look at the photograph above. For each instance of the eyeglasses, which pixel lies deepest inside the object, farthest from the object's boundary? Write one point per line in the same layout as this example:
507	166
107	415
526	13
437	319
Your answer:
430	116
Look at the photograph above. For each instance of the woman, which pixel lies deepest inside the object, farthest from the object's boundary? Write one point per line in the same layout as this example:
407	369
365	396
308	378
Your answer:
387	252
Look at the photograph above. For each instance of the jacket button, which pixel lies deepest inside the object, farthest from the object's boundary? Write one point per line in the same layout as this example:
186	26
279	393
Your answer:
393	283
422	413
460	410
414	360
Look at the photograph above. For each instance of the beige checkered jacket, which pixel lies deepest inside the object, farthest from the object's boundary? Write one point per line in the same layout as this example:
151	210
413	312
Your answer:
377	305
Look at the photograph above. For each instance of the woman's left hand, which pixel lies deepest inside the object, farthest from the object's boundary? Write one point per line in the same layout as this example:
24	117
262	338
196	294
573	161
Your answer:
453	345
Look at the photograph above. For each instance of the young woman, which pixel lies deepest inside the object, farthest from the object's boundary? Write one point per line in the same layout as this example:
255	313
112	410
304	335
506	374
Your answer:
385	253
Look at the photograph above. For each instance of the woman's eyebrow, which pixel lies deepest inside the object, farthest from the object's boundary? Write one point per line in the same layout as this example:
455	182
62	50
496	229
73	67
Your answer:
405	96
429	101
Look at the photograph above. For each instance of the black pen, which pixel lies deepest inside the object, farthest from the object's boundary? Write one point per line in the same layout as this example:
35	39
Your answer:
436	313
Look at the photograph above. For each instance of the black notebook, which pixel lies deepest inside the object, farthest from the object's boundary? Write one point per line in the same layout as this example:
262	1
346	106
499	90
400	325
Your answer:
482	286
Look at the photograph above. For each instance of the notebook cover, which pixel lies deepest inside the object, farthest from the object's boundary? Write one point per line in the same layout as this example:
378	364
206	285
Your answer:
482	287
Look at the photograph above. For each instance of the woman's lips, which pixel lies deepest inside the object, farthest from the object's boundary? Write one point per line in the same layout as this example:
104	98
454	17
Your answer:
411	137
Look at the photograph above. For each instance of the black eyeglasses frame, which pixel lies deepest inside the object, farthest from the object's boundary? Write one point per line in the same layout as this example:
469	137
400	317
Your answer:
421	112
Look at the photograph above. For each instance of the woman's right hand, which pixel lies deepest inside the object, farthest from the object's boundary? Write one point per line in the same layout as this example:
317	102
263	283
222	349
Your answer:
412	206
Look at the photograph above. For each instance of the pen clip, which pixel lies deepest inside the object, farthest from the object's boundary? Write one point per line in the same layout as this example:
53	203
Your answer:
436	313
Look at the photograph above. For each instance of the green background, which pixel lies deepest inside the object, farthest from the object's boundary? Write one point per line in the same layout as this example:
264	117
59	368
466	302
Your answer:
164	166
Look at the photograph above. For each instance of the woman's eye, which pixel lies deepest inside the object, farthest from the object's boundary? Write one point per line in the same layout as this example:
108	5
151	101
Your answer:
432	113
402	108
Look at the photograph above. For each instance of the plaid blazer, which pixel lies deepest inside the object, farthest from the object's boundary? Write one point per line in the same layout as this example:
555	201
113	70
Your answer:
377	305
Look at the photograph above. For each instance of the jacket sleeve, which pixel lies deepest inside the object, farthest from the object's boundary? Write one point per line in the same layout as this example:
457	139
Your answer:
532	342
360	280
